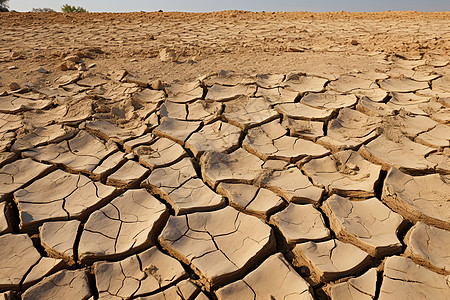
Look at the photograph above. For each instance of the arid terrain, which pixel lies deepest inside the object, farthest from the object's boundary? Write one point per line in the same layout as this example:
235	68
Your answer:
227	155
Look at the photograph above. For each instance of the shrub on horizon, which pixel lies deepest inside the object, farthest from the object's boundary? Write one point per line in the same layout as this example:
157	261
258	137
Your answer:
4	5
70	8
45	9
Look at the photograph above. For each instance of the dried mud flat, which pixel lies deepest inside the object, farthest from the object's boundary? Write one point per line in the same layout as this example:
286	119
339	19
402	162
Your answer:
229	155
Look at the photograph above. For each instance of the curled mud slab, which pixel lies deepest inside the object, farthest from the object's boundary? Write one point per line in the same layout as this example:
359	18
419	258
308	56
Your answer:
228	155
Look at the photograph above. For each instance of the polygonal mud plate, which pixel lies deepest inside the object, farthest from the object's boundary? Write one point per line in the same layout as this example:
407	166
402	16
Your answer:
274	278
218	137
404	280
269	141
219	246
345	173
292	185
419	198
137	275
251	199
330	260
329	100
428	246
21	263
401	153
300	223
83	153
17	174
368	224
359	288
62	285
239	166
350	130
59	196
126	225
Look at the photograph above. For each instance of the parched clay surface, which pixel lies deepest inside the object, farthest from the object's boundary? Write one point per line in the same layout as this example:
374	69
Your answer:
349	130
246	112
82	153
217	137
169	178
400	153
15	175
292	185
161	153
239	166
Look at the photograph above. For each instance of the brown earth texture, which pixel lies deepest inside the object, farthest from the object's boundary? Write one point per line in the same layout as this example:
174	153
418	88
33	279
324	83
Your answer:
226	155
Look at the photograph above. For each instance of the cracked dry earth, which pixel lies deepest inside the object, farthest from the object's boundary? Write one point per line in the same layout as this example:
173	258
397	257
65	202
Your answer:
293	185
232	186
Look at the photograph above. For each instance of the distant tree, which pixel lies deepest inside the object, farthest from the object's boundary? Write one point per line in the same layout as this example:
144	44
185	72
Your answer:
4	5
45	9
70	8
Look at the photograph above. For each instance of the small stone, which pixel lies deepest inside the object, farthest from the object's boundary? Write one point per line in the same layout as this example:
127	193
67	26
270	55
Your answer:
130	156
16	55
157	85
12	68
67	65
192	60
43	71
354	42
14	86
73	58
166	55
81	67
92	65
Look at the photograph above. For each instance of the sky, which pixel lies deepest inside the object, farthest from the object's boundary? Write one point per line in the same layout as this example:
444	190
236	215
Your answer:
250	5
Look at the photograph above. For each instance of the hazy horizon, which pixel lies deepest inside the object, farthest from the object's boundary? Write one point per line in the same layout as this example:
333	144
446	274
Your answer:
251	5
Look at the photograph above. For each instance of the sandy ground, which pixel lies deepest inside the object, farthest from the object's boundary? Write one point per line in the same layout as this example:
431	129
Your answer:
241	41
227	155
